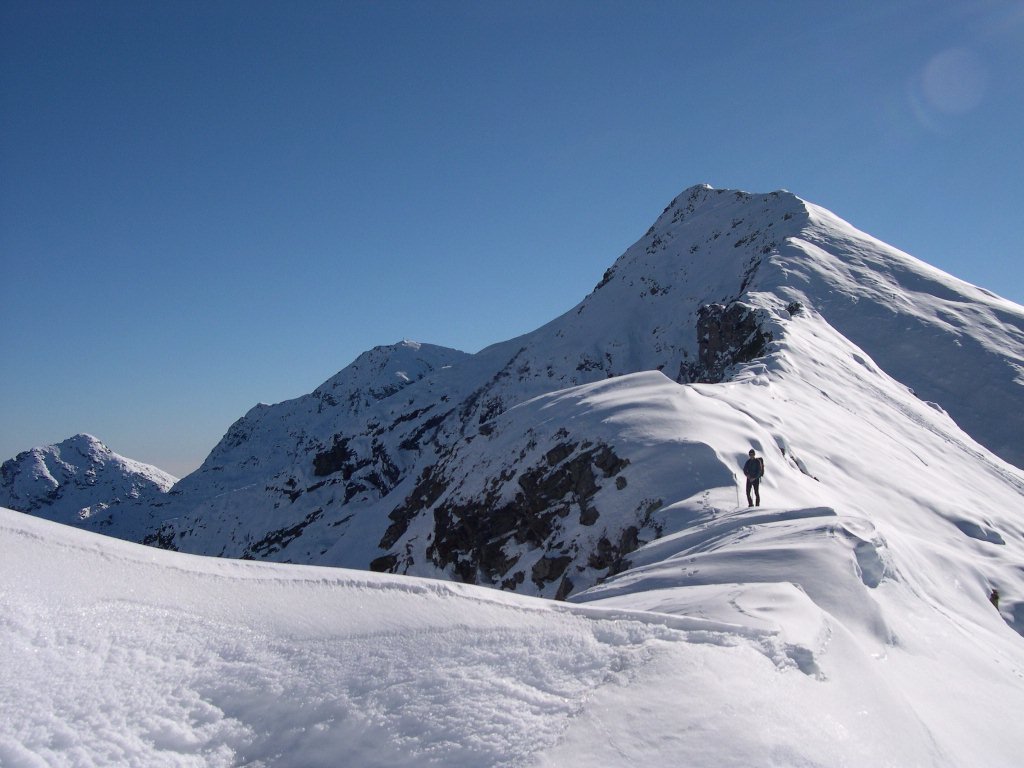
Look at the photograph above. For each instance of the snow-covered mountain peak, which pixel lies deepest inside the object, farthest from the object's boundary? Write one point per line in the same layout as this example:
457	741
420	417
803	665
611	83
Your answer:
705	200
774	251
383	371
599	459
421	459
73	480
709	242
84	442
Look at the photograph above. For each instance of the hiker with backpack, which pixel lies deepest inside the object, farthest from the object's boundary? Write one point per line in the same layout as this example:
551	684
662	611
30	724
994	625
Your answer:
754	471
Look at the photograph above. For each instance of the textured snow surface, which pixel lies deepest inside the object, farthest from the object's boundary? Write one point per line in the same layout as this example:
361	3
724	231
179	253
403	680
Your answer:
115	654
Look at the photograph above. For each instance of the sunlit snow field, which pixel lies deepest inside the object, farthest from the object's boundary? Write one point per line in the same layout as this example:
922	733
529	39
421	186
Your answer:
116	654
846	622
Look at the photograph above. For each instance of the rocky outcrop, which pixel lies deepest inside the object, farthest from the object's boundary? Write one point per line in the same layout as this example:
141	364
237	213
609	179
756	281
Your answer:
517	528
726	335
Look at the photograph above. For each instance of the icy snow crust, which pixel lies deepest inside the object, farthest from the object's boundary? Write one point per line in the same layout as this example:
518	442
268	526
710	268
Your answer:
844	623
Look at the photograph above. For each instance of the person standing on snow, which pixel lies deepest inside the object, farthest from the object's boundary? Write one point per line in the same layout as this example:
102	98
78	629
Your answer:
754	471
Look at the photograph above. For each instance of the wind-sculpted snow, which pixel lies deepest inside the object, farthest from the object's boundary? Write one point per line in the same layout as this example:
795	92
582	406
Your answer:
159	658
951	342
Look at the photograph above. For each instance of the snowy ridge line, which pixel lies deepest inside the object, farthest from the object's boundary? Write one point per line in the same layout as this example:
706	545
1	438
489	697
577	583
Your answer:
687	624
400	461
266	574
726	522
596	459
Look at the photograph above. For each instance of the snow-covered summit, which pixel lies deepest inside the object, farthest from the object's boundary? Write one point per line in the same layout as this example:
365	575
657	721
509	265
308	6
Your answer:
74	480
869	613
425	460
951	342
383	371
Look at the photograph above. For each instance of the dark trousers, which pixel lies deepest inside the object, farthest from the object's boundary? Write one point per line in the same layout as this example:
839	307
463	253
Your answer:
755	485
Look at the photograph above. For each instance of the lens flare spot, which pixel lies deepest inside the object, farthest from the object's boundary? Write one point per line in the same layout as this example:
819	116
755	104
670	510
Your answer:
954	81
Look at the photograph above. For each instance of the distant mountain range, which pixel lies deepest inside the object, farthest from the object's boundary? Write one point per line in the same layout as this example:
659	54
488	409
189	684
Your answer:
874	385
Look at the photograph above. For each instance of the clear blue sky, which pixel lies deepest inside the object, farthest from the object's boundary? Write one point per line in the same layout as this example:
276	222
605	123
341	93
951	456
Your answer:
206	205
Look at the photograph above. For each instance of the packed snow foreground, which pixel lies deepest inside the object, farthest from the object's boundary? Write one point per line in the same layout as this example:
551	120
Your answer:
846	622
116	654
834	626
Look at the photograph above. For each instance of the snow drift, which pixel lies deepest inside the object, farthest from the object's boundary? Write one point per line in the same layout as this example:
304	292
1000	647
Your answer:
159	658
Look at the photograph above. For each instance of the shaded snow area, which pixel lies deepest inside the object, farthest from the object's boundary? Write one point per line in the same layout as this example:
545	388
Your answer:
116	654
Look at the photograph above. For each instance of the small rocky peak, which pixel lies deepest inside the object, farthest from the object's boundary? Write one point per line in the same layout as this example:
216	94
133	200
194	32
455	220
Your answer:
703	199
84	445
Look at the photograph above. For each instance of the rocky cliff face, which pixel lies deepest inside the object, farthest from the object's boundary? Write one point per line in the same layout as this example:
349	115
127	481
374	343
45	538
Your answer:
510	468
726	336
527	522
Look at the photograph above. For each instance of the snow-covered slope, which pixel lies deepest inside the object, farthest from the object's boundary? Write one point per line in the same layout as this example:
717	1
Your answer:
78	481
761	312
951	342
449	477
847	621
159	658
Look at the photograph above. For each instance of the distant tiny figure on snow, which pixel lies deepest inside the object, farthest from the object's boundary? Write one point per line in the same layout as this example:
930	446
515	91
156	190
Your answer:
994	598
754	470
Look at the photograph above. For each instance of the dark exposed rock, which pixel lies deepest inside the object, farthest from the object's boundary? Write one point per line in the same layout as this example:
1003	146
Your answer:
606	278
559	453
382	475
613	556
338	458
513	581
609	464
469	537
564	588
588	515
386	474
384	563
428	489
415	441
277	540
726	335
163	538
547	569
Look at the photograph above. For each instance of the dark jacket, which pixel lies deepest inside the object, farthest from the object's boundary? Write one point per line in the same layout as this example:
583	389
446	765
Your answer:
754	468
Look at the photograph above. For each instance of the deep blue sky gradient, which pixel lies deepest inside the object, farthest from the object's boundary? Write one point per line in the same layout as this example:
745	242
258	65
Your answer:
206	205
